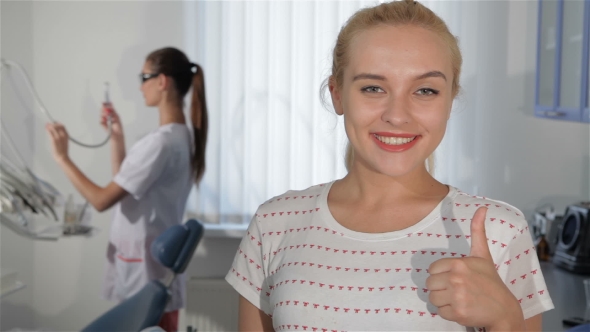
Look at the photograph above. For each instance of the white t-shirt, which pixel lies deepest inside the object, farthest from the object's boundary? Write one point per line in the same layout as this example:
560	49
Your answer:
157	174
309	273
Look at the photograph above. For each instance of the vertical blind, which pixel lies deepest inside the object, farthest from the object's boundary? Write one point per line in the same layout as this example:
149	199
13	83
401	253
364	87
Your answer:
264	63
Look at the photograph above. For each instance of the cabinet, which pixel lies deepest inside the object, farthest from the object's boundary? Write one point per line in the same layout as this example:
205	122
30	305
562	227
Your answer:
562	88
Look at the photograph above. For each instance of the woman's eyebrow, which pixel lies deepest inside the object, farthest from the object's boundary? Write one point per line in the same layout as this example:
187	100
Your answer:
369	77
434	73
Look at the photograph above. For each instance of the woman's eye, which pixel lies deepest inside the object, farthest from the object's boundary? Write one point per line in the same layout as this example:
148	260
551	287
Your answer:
372	89
427	92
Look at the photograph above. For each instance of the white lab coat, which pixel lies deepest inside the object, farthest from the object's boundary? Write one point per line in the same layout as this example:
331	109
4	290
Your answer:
157	174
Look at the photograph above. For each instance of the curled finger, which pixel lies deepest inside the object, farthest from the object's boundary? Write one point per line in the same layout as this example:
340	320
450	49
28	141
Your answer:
447	313
437	282
440	298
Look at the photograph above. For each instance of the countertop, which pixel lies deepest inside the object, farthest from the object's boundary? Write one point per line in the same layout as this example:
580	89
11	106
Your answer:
567	292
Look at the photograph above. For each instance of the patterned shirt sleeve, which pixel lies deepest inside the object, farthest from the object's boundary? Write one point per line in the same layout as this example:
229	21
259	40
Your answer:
247	274
520	270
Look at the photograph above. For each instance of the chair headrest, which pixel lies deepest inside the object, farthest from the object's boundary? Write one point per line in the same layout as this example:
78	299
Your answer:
174	248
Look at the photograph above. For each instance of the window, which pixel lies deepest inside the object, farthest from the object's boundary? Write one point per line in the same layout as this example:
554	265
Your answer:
563	59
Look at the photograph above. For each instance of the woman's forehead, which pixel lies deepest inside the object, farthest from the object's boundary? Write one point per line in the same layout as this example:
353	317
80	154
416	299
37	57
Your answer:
397	48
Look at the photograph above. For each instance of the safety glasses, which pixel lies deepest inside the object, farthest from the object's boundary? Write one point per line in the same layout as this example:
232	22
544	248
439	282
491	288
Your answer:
144	77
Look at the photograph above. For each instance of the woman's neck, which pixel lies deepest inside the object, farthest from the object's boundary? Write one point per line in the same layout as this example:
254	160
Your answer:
370	202
362	184
171	113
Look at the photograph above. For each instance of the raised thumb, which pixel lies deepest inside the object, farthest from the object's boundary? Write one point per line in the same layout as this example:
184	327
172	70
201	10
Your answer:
479	240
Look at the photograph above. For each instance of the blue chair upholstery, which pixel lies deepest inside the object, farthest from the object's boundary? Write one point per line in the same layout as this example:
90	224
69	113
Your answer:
142	310
174	249
580	328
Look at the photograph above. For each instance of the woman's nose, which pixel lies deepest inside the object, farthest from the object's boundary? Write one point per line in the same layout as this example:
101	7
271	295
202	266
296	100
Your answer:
397	110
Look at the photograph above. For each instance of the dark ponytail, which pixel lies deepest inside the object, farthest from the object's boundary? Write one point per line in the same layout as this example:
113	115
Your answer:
200	121
174	63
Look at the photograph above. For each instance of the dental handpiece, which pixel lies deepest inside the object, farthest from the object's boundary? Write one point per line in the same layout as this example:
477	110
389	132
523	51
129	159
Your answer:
107	98
107	101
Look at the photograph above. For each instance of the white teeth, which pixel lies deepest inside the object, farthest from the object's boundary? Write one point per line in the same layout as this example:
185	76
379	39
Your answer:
395	140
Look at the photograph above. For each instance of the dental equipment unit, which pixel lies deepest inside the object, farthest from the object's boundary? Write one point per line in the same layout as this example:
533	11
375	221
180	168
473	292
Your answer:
34	193
24	196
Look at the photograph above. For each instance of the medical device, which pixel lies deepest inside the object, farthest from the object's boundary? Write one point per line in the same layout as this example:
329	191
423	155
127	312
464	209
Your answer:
573	246
107	98
10	64
37	195
22	193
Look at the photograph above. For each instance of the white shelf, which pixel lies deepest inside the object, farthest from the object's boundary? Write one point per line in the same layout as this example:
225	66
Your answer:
13	288
234	231
9	283
38	227
31	225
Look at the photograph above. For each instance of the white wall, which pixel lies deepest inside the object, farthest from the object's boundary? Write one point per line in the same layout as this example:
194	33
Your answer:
500	149
16	253
71	48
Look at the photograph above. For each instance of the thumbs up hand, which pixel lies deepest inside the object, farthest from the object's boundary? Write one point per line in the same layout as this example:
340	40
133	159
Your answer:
469	290
479	240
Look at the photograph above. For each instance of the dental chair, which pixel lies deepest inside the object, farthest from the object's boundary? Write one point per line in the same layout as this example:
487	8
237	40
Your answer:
580	328
173	249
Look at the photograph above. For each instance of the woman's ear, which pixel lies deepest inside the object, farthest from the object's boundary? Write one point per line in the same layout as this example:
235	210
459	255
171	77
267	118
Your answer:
336	96
163	82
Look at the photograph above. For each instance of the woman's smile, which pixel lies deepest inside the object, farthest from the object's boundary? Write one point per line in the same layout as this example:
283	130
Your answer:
396	143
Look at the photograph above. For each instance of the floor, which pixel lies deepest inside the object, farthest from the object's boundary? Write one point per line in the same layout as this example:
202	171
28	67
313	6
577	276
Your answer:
567	293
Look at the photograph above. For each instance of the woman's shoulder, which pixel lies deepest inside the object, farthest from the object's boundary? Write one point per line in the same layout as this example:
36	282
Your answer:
499	212
293	195
164	137
172	133
294	200
465	199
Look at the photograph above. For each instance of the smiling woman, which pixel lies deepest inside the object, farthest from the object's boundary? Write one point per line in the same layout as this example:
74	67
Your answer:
399	93
388	240
441	37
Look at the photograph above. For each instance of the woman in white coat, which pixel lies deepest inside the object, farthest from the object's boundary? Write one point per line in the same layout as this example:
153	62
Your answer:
152	181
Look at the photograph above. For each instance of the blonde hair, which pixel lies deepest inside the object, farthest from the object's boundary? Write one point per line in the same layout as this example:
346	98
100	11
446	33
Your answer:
394	13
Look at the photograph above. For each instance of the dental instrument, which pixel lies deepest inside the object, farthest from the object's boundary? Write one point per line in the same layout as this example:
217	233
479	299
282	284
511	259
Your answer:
107	99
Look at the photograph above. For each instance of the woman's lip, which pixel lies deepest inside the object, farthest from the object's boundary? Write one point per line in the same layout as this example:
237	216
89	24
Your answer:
396	148
402	135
